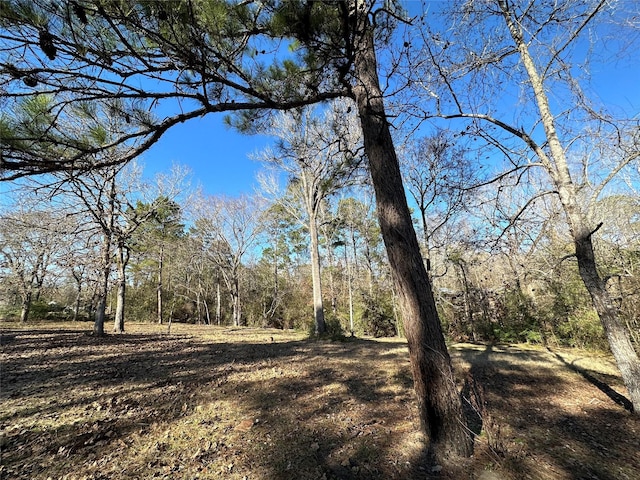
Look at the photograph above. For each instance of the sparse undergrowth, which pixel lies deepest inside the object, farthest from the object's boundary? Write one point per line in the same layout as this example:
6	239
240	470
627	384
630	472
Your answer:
219	402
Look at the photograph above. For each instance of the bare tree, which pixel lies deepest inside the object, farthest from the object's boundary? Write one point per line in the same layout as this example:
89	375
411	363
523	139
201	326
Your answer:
31	242
439	176
319	156
231	227
530	54
110	198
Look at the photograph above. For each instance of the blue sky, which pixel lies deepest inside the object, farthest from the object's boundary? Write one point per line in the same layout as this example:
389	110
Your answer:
218	155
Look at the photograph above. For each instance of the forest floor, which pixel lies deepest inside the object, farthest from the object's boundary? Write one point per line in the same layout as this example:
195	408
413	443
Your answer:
242	403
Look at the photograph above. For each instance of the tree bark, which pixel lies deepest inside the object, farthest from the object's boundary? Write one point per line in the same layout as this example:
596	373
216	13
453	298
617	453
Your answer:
159	287
318	306
439	402
123	259
26	306
98	324
235	300
218	302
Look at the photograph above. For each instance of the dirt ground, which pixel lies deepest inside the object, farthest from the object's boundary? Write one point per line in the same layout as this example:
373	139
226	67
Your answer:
214	402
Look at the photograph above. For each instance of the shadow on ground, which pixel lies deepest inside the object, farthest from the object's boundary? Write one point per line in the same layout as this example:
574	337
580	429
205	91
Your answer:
543	421
180	406
278	410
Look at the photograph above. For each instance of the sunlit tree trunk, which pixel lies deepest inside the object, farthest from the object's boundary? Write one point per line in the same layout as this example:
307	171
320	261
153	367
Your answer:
159	287
26	306
318	306
123	260
218	302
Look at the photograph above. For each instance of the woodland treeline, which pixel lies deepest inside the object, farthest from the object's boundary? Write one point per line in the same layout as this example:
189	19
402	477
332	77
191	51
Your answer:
463	168
184	257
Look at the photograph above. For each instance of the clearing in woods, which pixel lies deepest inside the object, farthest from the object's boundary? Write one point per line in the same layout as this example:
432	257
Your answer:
242	403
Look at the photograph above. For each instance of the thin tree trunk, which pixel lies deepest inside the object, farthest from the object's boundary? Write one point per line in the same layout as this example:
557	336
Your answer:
159	287
206	311
439	402
235	300
318	306
76	307
123	260
218	302
198	311
350	288
98	325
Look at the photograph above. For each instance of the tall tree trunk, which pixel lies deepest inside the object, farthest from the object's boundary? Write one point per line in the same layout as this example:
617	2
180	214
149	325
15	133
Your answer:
76	307
349	288
206	311
159	287
98	324
439	402
218	302
198	311
235	300
318	306
118	325
123	259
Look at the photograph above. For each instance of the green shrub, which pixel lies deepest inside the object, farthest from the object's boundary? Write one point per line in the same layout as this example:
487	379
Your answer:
334	330
582	329
377	317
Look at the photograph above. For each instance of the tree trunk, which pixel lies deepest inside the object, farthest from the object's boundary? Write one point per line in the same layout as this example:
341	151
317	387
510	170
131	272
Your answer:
26	306
218	302
349	288
123	260
159	288
439	402
235	301
206	311
617	334
318	306
198	312
118	326
76	307
98	324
